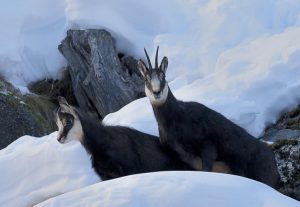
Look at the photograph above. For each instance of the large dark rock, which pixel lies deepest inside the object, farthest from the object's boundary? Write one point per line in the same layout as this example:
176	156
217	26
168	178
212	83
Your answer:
101	82
287	127
285	134
22	115
287	155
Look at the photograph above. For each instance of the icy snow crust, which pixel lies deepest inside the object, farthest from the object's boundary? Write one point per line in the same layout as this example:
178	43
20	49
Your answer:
239	57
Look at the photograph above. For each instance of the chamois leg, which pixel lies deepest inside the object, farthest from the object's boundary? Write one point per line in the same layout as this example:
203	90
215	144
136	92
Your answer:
209	156
193	161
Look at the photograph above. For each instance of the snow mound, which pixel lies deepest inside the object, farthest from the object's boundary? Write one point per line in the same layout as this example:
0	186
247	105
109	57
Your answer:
192	189
35	169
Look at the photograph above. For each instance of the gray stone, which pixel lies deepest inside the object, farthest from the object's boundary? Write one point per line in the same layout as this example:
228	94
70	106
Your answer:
287	127
101	83
287	155
285	134
21	115
279	134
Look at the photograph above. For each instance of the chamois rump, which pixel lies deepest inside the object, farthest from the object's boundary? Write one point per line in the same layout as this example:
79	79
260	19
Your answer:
194	131
115	150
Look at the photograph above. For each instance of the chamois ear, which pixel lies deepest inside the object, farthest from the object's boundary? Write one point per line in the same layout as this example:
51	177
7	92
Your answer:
164	64
142	68
62	100
63	104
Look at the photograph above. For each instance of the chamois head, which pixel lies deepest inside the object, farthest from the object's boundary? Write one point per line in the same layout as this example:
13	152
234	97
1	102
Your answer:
156	86
68	123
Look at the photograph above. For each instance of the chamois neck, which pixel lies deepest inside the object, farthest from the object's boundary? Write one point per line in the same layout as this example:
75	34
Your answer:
170	106
92	130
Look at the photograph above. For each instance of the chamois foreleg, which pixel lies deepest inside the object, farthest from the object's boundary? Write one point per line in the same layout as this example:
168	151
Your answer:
193	161
208	155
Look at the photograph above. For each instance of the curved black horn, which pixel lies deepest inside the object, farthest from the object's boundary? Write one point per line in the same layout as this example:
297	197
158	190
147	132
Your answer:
149	62
156	58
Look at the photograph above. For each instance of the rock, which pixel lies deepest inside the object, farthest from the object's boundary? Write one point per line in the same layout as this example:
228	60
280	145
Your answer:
285	135
21	115
279	134
50	89
101	83
287	127
287	155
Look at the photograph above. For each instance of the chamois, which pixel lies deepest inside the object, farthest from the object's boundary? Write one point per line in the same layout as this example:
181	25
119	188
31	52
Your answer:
193	131
117	151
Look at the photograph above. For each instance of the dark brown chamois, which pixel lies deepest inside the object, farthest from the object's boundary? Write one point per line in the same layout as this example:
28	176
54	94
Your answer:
194	131
115	150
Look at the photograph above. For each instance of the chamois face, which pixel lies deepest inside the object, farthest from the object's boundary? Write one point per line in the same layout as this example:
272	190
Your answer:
156	86
68	123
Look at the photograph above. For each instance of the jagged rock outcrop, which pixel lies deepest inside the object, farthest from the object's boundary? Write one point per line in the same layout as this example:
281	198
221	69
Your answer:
287	127
285	134
22	115
287	155
101	82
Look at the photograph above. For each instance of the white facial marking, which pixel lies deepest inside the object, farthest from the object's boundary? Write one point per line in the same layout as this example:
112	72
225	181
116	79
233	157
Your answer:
161	99
155	83
76	132
59	125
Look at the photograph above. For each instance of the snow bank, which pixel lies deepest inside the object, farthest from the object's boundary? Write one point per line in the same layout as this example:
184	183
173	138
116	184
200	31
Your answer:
175	189
239	57
35	169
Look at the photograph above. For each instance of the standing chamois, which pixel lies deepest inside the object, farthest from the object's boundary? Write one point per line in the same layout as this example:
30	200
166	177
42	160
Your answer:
115	150
194	131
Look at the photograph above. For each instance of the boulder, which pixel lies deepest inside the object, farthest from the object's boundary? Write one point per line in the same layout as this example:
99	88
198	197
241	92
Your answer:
287	127
285	135
102	83
22	115
287	155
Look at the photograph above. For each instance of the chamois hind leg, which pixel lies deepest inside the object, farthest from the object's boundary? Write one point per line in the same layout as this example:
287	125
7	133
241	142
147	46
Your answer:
209	156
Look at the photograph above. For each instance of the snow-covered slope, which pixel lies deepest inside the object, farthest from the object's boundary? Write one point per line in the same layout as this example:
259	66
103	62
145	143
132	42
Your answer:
172	189
35	169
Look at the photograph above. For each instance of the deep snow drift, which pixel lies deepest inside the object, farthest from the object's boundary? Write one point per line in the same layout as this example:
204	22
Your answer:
162	189
239	57
36	169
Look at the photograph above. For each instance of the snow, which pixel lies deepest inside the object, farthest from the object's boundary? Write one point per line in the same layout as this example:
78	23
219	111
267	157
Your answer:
238	57
35	169
175	189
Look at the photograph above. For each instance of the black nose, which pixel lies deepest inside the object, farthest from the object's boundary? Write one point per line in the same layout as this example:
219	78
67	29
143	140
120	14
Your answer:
61	139
156	93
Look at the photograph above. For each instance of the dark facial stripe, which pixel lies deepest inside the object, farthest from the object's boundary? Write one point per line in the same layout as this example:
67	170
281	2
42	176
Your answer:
155	74
67	121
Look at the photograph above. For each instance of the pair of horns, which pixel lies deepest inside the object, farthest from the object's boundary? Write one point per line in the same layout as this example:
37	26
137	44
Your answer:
156	60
